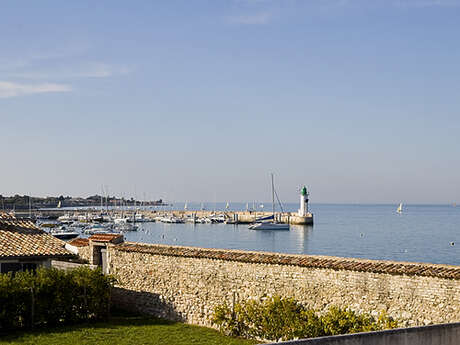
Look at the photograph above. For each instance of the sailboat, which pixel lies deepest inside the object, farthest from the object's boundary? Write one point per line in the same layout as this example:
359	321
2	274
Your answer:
399	209
270	225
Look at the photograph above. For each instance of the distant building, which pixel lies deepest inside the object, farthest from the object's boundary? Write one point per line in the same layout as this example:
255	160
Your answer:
23	246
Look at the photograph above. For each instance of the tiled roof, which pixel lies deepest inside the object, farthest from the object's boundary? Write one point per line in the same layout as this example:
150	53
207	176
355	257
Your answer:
79	242
20	238
112	238
312	261
4	215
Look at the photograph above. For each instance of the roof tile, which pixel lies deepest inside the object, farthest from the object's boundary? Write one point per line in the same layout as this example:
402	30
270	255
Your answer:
20	238
112	238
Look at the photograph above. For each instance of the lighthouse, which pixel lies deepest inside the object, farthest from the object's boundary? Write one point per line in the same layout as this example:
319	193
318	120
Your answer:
303	210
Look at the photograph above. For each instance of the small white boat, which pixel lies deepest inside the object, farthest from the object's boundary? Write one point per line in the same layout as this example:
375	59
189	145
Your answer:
171	219
98	228
140	218
120	220
66	219
158	218
399	209
64	234
98	232
217	218
269	226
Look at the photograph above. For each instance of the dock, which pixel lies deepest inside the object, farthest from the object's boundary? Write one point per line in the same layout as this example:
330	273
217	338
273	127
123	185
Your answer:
232	217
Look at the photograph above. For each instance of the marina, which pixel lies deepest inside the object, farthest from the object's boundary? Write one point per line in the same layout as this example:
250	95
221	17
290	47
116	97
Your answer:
422	233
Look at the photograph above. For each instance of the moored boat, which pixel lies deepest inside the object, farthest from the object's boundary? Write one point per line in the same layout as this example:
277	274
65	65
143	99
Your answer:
270	225
64	234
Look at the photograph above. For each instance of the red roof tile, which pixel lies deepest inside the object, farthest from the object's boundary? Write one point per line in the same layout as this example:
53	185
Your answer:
112	238
79	242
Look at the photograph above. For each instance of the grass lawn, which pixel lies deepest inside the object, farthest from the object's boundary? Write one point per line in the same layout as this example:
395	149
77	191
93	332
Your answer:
124	330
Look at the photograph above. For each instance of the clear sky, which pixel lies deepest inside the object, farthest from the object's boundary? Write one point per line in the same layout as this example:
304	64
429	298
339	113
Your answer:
201	100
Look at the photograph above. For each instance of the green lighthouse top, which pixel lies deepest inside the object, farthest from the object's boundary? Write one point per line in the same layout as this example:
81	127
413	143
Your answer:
303	191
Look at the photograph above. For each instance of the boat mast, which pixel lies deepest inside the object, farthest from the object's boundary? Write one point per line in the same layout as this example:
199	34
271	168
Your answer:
273	198
102	199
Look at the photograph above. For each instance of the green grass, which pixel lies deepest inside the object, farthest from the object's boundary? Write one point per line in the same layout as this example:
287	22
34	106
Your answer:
124	330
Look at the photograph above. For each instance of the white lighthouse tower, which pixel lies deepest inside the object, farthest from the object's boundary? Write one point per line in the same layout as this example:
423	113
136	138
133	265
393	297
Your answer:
303	210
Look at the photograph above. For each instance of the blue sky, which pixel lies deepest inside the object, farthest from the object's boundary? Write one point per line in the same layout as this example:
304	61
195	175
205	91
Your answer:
201	100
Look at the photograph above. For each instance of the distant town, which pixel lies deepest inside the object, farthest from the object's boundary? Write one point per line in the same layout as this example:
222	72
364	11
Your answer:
20	202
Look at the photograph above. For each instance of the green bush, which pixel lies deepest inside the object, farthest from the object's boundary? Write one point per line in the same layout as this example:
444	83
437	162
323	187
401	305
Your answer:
51	296
278	318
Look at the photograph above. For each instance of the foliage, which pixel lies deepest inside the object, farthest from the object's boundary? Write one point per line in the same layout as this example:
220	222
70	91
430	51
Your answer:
51	296
343	321
278	318
21	202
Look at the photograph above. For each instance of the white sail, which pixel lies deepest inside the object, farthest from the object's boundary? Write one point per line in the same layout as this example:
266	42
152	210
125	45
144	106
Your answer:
399	209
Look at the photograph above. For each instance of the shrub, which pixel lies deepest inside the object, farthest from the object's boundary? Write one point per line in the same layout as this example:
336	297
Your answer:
51	296
278	318
342	321
273	319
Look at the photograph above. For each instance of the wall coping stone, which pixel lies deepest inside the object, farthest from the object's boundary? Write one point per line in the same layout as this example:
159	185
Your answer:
300	260
408	335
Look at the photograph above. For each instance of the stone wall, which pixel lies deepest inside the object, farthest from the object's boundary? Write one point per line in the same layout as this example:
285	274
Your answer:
183	283
80	246
66	265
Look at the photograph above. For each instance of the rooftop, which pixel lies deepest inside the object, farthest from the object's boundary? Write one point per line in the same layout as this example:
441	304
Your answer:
109	238
79	242
21	238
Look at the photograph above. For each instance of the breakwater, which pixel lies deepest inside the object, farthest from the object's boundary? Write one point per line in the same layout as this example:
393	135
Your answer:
237	217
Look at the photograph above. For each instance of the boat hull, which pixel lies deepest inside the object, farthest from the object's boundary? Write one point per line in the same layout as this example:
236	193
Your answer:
269	226
66	235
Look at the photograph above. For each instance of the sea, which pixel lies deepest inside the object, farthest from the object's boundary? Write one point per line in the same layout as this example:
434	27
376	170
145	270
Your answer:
421	233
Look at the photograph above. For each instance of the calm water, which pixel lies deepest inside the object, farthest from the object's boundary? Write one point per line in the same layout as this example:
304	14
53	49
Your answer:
423	233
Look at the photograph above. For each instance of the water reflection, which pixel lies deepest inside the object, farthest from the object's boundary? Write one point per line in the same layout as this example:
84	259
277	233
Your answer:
228	236
302	234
